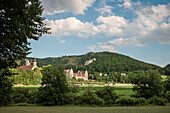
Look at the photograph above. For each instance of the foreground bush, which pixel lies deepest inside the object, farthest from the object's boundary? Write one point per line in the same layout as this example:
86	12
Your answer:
157	101
72	98
90	98
140	101
107	94
24	95
74	88
126	100
20	95
167	96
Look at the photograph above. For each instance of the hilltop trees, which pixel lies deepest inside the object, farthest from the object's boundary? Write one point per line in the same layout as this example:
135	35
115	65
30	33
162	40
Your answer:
19	21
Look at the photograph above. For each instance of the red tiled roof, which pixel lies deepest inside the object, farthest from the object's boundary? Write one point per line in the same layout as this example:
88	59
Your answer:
27	67
66	70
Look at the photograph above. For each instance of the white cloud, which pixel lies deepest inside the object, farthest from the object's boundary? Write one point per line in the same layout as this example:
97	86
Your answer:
59	6
70	27
105	9
127	42
151	25
112	25
126	4
103	47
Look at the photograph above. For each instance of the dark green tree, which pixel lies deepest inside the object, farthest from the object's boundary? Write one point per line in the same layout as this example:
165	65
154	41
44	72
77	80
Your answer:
54	86
148	84
107	94
167	84
20	20
90	98
5	88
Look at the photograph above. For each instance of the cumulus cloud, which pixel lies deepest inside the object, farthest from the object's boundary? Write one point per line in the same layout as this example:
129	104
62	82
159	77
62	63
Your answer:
59	6
112	25
71	26
105	9
102	47
151	25
126	4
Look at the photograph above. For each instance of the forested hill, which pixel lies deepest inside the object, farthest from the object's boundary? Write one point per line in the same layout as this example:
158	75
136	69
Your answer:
104	62
167	69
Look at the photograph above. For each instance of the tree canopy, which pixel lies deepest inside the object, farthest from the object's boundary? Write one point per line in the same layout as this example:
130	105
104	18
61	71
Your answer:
19	21
55	86
148	84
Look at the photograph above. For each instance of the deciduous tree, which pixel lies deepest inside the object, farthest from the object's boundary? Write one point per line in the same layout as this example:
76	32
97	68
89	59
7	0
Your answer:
20	20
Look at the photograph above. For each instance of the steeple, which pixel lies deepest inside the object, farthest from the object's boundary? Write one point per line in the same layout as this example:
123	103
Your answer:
35	62
27	63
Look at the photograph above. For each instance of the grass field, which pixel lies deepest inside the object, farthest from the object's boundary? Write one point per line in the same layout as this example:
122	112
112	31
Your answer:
57	109
119	90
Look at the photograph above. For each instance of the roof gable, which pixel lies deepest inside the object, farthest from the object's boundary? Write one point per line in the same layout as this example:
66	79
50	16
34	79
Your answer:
26	67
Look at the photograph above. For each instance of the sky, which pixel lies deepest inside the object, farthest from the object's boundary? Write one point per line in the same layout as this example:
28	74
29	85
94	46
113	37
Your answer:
136	28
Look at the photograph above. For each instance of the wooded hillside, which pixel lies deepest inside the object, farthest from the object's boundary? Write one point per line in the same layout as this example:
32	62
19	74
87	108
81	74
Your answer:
105	62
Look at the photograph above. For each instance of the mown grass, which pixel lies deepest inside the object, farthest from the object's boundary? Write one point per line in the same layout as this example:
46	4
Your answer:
59	109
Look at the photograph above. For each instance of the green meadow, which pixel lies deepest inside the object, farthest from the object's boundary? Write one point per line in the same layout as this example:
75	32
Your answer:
64	109
119	90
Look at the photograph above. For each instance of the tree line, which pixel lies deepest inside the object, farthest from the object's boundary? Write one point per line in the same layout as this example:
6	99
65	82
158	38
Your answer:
55	90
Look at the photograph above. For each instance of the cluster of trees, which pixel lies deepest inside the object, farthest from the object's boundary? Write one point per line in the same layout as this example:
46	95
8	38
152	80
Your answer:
110	77
55	90
26	77
166	70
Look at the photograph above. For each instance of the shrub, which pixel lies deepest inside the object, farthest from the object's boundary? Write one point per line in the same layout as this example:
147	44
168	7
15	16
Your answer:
157	101
167	96
140	101
90	98
74	88
46	96
107	95
20	95
72	98
80	79
126	100
32	98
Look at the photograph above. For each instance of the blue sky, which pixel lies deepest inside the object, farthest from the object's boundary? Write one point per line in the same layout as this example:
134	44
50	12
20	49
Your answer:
137	28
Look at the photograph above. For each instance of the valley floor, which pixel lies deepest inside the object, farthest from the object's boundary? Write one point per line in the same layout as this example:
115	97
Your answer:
57	109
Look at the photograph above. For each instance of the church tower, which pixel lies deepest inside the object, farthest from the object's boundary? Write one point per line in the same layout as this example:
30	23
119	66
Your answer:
86	75
35	62
27	62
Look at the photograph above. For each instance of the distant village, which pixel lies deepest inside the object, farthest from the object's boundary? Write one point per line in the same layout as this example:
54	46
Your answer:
69	72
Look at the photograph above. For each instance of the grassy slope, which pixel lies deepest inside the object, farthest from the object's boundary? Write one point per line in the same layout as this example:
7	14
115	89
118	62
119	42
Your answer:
57	109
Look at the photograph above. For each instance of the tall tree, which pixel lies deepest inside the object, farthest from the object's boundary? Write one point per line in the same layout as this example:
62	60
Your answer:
20	20
148	84
54	86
